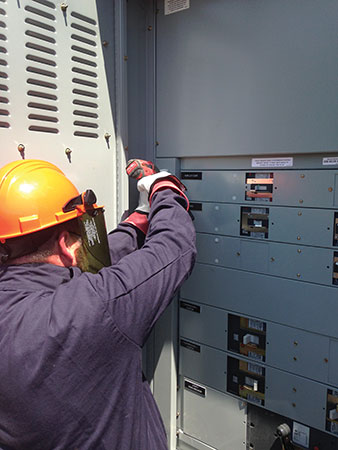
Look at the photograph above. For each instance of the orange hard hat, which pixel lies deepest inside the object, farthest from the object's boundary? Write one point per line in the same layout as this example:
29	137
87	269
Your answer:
33	195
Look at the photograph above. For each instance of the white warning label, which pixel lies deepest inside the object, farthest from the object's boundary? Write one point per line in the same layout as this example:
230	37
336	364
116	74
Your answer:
330	161
272	162
173	6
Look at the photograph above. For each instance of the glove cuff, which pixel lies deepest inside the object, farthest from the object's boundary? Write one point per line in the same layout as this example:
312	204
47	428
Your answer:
138	219
169	182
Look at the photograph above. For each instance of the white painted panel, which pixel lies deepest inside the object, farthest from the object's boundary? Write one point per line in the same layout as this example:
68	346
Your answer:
54	93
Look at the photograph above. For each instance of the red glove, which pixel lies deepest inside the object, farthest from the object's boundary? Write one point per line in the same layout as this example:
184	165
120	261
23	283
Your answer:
139	168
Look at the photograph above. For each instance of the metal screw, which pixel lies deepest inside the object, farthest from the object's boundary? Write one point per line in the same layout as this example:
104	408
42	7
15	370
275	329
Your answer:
294	405
302	176
301	201
294	389
295	343
125	58
300	213
298	275
68	151
326	360
21	148
177	414
299	250
330	189
105	43
157	143
295	358
107	136
298	238
63	6
238	254
272	259
150	28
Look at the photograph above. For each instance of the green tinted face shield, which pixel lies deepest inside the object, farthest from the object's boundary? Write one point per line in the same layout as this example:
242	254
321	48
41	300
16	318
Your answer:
93	254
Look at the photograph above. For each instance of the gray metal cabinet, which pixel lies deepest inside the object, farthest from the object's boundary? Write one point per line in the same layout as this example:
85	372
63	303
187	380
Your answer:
298	351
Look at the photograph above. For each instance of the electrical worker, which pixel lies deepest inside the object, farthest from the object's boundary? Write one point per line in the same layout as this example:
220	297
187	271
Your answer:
76	308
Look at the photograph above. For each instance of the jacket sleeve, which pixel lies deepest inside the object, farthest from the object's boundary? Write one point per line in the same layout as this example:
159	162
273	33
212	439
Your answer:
138	289
124	240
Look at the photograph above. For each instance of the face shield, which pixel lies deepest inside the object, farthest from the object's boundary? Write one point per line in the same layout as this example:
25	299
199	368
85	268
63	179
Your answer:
94	253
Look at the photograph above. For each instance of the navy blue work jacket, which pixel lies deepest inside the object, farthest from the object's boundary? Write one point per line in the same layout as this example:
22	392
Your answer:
71	342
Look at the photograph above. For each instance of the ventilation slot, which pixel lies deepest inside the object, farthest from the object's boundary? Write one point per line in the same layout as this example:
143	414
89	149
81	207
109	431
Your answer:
78	112
85	93
37	23
2	24
38	59
76	37
46	73
39	12
84	82
41	83
2	12
3	87
80	123
42	106
39	48
86	134
45	3
42	37
87	104
83	18
84	61
43	129
3	50
3	75
84	72
3	37
4	100
84	29
43	118
3	123
83	50
42	95
3	62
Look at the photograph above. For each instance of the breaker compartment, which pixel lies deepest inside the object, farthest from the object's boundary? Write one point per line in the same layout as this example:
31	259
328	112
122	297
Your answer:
255	222
259	187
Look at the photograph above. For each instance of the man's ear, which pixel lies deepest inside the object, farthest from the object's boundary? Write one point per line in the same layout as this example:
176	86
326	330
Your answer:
67	249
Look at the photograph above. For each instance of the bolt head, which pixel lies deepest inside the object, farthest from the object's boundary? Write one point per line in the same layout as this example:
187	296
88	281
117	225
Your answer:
21	148
64	6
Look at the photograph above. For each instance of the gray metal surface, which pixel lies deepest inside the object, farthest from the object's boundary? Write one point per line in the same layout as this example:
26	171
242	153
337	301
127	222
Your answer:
225	427
278	259
288	302
206	366
301	226
296	397
208	326
311	189
241	78
298	352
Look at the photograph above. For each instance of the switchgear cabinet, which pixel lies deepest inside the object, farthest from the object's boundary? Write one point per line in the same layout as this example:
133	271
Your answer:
239	99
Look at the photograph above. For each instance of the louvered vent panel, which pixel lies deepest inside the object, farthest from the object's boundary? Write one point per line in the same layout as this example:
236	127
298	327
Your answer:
85	76
4	79
41	67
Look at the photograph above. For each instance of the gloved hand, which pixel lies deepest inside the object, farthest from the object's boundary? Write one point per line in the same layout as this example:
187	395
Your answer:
150	180
146	173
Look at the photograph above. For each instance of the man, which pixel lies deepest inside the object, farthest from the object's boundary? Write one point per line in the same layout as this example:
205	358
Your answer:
70	339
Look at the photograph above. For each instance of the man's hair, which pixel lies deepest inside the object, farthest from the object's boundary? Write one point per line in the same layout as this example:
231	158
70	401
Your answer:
39	245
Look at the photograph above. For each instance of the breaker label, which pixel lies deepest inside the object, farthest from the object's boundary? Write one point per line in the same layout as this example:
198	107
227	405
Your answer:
191	175
301	434
195	388
272	162
190	346
330	161
173	6
190	307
